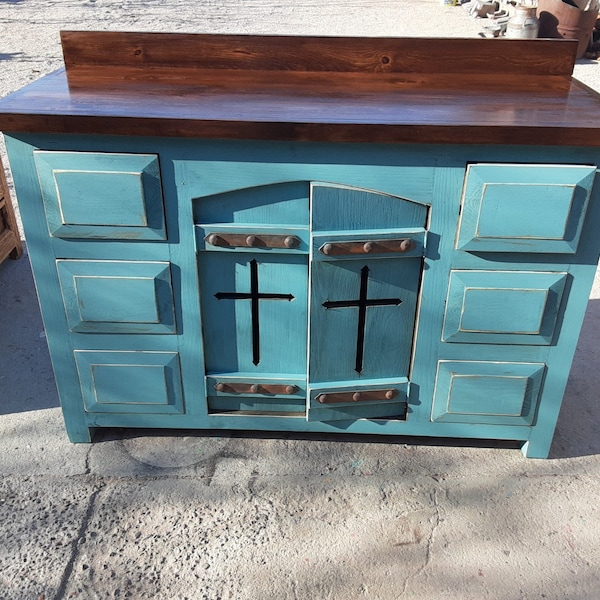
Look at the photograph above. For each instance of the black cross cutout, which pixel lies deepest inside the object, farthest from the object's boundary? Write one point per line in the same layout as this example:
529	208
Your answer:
362	303
255	297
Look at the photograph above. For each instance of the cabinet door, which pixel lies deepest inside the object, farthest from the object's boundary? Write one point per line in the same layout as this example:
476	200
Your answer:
366	269
254	309
253	272
361	282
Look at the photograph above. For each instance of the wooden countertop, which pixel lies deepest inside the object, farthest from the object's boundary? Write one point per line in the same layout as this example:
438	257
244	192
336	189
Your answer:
311	89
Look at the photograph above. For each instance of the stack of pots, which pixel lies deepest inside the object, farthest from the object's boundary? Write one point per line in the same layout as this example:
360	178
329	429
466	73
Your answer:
572	21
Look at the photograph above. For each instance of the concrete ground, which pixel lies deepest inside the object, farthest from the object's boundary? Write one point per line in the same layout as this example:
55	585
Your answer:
206	515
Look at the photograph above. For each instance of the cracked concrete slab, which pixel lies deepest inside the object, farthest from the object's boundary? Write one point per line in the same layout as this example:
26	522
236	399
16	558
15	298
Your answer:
330	536
262	538
33	443
41	519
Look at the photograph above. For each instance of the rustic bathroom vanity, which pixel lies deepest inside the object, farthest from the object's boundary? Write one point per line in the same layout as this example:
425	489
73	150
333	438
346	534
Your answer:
383	236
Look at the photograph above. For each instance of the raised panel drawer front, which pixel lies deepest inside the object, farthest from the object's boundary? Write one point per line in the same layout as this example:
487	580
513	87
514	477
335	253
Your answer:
495	393
524	208
130	382
102	195
117	296
503	307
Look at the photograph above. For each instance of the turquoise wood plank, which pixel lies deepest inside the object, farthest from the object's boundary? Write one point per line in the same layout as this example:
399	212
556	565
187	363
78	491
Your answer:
254	310
362	318
394	408
500	307
393	411
335	208
298	423
131	382
105	196
582	273
117	296
396	169
487	393
276	204
253	405
439	254
113	250
398	173
502	206
184	273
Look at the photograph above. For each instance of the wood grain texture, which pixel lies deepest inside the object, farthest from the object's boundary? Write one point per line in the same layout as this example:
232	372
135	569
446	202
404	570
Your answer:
10	241
503	307
105	50
311	89
205	182
495	193
484	117
83	195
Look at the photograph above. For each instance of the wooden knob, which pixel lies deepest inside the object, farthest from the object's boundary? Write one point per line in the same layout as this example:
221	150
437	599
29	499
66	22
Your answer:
221	387
356	396
291	241
213	239
252	241
322	398
291	389
390	394
254	389
326	249
406	245
368	247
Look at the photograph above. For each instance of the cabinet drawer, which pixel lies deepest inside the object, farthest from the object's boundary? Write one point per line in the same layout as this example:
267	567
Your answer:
130	382
496	393
503	307
101	196
117	296
524	208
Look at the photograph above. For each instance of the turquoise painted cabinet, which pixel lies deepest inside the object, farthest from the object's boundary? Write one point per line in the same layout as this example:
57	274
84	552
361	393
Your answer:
310	234
385	289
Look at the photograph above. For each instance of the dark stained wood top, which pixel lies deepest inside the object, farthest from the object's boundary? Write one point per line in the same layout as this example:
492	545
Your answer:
311	89
113	50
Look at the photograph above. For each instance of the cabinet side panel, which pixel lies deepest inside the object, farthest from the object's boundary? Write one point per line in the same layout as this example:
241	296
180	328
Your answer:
47	285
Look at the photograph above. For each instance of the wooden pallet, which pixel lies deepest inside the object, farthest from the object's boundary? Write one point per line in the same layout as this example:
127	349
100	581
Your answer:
10	242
